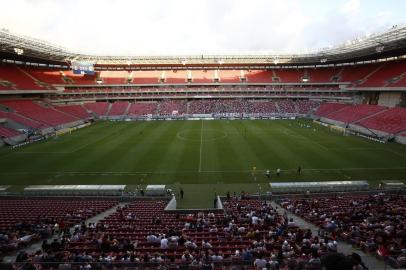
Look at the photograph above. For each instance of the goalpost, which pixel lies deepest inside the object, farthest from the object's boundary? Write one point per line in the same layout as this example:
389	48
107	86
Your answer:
339	129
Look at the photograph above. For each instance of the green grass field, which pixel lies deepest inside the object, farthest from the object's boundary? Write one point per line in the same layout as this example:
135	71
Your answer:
202	157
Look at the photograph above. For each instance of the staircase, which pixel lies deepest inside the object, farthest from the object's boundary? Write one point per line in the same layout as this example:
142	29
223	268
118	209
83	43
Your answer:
363	80
296	107
37	82
368	116
339	110
277	107
338	75
94	115
395	79
108	109
127	109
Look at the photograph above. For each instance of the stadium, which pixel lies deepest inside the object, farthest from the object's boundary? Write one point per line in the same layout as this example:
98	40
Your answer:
203	161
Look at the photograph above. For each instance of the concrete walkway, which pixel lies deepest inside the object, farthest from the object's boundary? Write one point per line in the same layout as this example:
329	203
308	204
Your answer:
370	261
37	245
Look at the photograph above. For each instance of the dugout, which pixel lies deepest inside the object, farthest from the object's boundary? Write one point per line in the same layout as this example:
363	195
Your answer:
155	190
3	189
315	187
392	184
75	190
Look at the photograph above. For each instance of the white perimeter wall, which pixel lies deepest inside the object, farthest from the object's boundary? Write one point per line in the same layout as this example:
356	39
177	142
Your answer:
389	99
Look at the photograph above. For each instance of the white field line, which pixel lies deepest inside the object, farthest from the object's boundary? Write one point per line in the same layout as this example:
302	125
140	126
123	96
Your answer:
201	143
39	152
175	172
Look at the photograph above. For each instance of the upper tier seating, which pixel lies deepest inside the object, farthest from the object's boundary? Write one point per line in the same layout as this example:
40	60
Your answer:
229	76
176	76
321	75
17	78
401	82
390	121
47	76
327	108
354	113
114	77
387	74
383	76
352	74
258	76
202	76
8	132
99	108
289	75
146	77
48	116
80	79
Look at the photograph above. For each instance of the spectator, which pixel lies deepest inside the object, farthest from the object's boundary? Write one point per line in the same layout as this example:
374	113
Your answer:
260	263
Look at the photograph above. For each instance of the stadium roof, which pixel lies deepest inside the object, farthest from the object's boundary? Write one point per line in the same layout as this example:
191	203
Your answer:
391	43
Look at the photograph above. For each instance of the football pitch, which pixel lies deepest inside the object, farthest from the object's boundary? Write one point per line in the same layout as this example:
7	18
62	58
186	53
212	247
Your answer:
202	157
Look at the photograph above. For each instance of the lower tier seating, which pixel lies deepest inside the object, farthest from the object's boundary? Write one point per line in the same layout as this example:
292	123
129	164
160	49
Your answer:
8	132
40	113
23	220
391	121
374	222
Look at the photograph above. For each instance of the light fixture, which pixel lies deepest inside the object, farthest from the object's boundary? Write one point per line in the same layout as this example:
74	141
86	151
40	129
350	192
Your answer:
18	51
380	48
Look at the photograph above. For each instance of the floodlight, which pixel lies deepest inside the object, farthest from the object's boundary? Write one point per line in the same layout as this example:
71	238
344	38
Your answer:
380	48
18	51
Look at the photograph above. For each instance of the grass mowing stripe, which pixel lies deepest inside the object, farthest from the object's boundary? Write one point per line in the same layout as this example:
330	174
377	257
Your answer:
211	154
201	147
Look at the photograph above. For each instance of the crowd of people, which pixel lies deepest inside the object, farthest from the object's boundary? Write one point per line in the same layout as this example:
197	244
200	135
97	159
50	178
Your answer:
250	232
240	106
373	222
23	221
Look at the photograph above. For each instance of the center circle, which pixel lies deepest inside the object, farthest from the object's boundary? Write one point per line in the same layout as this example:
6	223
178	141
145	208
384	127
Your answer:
197	135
